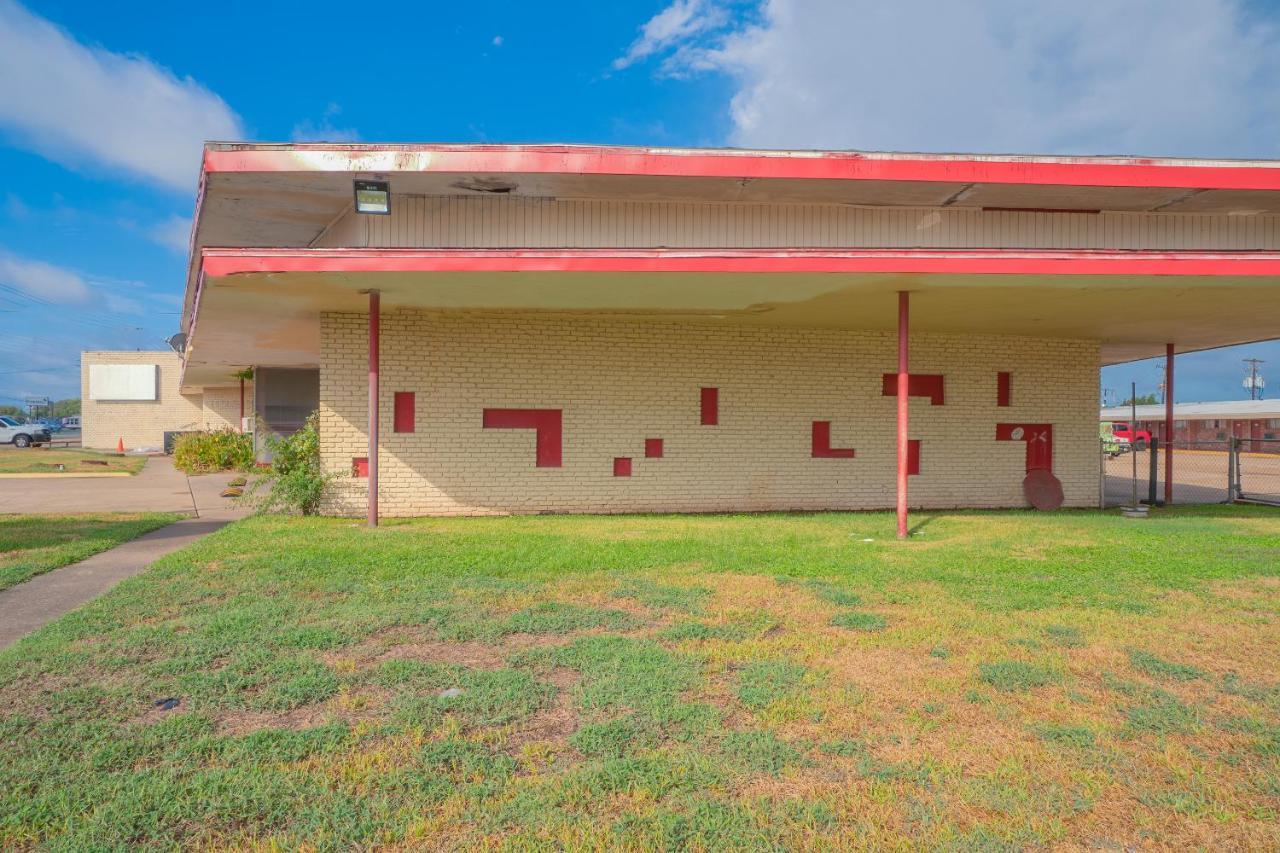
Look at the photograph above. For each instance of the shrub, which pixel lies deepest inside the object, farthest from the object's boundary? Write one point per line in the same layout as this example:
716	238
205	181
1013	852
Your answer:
205	452
295	481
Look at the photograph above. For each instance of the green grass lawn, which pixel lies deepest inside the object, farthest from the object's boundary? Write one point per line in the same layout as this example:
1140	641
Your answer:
45	460
31	545
1003	680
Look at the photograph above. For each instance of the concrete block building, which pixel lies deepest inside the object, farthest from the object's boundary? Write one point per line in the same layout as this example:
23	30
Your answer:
133	396
511	329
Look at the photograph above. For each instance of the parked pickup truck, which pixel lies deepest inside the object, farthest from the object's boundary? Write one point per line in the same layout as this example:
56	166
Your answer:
20	434
1123	432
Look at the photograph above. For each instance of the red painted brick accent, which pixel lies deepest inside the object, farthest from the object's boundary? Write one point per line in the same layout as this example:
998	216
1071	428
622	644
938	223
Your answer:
1004	393
822	448
547	422
913	456
710	406
1039	439
653	448
622	466
404	411
918	385
360	466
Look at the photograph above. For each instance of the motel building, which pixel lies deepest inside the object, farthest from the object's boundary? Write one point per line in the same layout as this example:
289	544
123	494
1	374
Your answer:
491	329
1210	425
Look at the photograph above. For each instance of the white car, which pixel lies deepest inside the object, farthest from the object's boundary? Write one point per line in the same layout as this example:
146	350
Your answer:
20	434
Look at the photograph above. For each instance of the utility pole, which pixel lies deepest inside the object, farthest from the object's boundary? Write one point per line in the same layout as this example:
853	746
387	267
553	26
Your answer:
1253	381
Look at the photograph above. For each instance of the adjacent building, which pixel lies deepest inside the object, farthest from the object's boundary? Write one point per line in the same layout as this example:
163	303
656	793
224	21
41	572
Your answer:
1256	422
133	397
551	328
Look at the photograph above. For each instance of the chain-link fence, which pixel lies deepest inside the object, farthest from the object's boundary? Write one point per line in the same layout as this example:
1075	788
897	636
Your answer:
1255	470
1201	474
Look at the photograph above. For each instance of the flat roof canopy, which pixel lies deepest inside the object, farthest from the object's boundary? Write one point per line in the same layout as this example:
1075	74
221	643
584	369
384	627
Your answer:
255	288
262	307
284	195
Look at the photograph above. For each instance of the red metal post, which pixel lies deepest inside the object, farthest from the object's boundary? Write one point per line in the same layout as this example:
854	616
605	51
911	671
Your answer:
1168	424
904	445
375	321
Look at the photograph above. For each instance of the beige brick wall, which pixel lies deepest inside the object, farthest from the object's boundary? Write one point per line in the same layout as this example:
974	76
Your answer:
619	383
139	423
143	423
222	406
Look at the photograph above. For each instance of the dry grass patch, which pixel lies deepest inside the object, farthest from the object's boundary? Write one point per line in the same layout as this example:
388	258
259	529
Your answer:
665	683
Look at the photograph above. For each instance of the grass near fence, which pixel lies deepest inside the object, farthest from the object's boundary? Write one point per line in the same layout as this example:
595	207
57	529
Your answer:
1002	680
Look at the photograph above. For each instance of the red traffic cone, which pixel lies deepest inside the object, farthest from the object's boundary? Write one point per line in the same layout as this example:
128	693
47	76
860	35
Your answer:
120	445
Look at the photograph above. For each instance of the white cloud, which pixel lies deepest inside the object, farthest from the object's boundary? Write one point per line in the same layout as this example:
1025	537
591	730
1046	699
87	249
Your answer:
324	130
1171	77
172	233
682	20
497	41
75	103
42	282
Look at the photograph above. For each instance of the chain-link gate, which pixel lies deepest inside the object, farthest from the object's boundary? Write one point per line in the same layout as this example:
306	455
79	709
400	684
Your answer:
1202	473
1255	470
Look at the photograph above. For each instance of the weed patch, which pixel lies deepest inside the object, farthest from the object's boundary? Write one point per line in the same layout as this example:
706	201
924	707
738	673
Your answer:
759	751
1013	675
1149	664
686	599
1075	736
763	683
1065	636
858	621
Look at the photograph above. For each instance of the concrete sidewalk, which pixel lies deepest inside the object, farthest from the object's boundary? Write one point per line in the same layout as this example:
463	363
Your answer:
29	605
158	487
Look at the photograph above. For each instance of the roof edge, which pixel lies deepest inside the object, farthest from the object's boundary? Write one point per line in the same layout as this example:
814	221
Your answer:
741	164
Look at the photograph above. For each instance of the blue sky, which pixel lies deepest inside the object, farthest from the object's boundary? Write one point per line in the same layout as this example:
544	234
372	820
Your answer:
103	106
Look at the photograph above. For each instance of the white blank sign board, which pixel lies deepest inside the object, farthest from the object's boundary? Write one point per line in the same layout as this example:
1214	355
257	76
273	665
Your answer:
122	381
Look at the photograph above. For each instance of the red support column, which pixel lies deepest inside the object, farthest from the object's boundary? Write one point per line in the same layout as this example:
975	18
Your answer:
904	378
375	321
1168	424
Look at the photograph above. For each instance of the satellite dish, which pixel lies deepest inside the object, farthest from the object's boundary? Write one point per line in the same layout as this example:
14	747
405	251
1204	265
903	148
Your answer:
177	343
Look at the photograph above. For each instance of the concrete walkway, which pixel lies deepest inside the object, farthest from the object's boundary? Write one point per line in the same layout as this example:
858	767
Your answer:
159	487
29	605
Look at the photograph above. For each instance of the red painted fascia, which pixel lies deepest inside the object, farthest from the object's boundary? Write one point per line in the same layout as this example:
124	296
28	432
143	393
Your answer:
225	262
798	165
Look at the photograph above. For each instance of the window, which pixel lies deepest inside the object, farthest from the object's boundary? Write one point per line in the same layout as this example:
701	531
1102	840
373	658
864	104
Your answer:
1179	424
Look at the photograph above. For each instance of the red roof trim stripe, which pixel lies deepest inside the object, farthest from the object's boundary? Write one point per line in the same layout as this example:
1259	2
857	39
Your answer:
586	160
224	262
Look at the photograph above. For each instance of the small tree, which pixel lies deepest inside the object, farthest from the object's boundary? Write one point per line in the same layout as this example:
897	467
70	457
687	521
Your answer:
295	481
